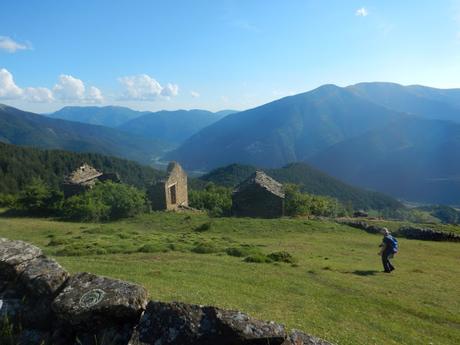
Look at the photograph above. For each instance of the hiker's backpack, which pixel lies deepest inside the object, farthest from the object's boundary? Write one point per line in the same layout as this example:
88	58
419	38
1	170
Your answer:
393	244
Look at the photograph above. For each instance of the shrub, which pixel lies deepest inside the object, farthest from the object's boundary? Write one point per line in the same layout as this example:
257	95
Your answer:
8	200
242	251
85	208
204	227
153	248
282	256
238	252
106	201
39	199
258	258
216	200
303	204
205	248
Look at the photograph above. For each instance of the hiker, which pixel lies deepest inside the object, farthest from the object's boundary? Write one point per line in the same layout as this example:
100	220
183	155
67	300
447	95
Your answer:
389	247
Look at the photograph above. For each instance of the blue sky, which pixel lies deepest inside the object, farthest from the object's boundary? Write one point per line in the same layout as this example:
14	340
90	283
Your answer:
153	55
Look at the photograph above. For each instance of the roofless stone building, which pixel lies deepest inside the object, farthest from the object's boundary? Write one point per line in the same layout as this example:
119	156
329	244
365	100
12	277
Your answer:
84	178
170	193
258	196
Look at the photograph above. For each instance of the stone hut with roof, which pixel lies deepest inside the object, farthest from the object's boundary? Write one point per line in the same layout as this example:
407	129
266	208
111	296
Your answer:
84	178
258	196
170	193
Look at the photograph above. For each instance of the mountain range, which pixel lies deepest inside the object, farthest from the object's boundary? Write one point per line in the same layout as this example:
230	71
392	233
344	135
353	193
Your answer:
29	129
108	116
171	127
395	139
287	130
401	140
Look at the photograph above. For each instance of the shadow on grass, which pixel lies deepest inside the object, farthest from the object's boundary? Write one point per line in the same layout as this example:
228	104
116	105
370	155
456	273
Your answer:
364	273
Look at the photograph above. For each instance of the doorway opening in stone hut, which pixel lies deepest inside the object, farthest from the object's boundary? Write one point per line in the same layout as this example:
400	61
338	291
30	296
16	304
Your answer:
172	193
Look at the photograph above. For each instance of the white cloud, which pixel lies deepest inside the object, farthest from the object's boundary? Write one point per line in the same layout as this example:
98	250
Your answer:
95	95
362	12
69	88
194	94
8	88
38	94
170	90
73	89
9	45
145	88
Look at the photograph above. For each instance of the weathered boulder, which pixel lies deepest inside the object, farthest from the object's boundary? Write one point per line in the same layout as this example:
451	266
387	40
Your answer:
14	255
91	301
26	312
185	324
33	337
114	335
43	277
10	310
300	338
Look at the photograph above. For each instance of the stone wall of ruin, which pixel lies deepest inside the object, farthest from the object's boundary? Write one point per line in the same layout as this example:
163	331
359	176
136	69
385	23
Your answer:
177	177
256	201
42	304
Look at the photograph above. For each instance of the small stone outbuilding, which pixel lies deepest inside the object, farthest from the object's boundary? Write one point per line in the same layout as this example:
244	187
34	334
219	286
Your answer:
258	196
84	178
170	193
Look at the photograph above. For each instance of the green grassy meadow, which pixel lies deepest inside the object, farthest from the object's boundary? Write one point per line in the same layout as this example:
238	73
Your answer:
333	289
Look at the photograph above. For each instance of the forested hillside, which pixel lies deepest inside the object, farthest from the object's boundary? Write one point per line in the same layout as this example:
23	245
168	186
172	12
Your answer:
18	165
415	159
310	181
28	129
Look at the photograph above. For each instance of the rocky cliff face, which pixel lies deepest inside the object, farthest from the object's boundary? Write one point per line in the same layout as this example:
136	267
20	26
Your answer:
41	304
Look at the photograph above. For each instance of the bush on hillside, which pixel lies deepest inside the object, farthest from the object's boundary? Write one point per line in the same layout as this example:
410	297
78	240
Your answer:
281	256
217	201
8	200
39	199
204	227
303	204
106	201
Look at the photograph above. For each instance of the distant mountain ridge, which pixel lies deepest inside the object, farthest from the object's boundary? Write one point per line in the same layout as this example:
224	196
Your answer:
414	159
310	180
172	127
109	116
427	102
400	140
288	130
28	129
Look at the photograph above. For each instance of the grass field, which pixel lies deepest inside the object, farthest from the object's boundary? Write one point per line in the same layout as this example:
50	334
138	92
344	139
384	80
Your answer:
334	288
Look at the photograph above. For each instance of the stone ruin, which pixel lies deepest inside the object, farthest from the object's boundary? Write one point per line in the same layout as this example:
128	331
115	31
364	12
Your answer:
258	196
42	304
84	178
170	193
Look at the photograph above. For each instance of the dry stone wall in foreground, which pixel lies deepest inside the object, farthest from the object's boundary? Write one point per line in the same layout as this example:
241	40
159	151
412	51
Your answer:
41	304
